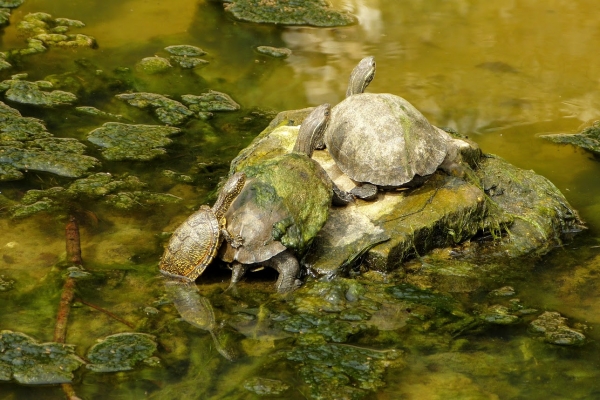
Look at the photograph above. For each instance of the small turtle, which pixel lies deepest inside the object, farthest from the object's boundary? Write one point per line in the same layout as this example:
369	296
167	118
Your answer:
196	241
381	140
282	207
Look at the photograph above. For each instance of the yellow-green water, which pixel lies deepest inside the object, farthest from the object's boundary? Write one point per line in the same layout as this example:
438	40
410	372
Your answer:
500	73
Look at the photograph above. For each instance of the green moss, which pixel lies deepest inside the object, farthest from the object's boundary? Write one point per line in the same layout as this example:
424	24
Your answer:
277	183
167	110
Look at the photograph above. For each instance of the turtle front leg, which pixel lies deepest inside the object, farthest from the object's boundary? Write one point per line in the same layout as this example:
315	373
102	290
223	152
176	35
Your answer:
340	197
234	240
288	267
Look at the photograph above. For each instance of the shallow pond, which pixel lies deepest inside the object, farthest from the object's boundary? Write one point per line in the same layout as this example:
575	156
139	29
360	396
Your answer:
501	74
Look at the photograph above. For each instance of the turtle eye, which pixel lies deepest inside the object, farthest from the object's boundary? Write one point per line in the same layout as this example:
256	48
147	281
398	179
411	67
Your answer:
327	113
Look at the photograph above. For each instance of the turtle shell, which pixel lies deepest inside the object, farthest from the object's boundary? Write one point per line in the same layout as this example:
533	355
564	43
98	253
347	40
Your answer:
382	139
283	205
193	245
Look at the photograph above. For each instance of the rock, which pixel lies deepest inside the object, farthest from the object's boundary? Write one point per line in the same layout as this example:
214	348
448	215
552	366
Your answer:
35	93
555	330
588	139
153	65
98	113
184	50
11	3
42	30
265	387
168	111
28	362
288	12
444	211
188	62
210	101
541	216
26	145
120	352
499	315
277	52
132	142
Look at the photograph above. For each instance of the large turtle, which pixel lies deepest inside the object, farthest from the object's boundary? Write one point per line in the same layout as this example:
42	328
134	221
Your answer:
282	207
196	241
379	139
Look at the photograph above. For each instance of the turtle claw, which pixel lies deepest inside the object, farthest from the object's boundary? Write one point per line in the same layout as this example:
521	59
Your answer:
237	241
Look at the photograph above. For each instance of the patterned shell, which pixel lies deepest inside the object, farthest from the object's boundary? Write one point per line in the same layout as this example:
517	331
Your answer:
193	245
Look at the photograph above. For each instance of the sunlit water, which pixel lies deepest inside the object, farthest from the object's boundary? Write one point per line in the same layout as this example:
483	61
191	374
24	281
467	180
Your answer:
500	72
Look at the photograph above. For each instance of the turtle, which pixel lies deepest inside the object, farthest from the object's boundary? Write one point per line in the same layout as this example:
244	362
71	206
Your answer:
282	207
196	241
381	140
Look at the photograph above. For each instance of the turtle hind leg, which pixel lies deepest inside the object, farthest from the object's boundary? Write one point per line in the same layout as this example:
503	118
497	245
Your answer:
288	267
366	191
238	270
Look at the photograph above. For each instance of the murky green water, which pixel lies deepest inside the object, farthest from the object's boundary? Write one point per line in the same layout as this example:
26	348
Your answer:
500	73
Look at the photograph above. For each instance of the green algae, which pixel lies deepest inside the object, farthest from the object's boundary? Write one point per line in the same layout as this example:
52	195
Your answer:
288	12
276	183
132	142
120	352
28	362
101	187
168	111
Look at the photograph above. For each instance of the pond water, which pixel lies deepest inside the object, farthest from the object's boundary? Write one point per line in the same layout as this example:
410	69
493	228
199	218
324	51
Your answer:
501	74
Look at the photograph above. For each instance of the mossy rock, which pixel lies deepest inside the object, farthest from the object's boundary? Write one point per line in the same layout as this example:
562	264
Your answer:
28	362
132	142
168	111
495	197
588	139
288	12
35	93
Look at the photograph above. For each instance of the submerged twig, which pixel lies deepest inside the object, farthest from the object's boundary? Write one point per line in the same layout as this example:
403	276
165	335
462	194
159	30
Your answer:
98	308
68	293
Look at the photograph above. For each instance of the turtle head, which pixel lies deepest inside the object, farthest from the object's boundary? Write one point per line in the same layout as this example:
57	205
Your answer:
312	129
228	193
361	76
